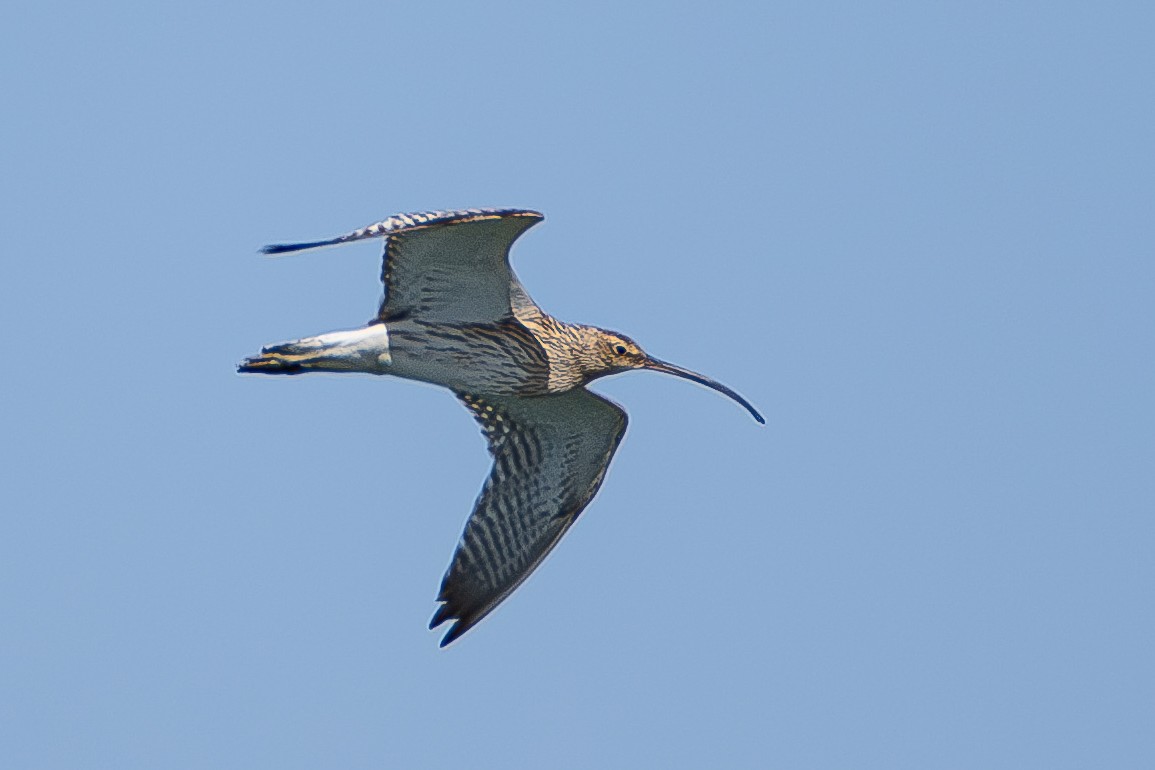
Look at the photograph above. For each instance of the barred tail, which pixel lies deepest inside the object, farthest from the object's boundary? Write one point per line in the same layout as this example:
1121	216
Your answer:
269	364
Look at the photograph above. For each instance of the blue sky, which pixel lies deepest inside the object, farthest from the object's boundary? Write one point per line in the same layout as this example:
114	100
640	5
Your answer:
918	237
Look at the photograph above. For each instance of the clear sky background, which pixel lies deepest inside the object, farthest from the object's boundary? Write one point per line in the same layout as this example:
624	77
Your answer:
920	239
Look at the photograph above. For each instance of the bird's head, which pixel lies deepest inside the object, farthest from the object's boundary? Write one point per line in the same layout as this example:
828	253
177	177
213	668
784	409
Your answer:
618	353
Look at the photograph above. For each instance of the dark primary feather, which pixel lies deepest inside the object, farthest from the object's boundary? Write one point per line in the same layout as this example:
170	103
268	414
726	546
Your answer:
284	248
550	456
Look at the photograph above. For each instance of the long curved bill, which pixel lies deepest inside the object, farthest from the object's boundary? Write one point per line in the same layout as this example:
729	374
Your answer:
658	365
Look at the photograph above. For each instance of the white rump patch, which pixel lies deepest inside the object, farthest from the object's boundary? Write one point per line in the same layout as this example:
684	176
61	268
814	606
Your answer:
355	350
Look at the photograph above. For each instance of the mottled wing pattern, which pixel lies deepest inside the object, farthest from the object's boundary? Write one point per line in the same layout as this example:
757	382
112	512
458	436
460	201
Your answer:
450	266
550	454
456	270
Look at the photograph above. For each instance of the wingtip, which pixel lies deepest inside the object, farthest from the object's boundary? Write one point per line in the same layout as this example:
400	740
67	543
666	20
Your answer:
285	248
453	634
455	631
440	616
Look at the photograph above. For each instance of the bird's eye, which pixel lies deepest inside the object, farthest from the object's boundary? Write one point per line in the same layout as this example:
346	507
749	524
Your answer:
620	349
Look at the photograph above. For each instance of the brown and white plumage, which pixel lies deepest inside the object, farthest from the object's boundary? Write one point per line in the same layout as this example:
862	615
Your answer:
454	314
550	454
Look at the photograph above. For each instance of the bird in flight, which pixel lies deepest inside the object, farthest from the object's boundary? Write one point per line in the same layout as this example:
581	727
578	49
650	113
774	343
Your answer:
455	315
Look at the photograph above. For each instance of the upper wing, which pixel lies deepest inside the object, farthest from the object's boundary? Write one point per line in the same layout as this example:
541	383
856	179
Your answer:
550	454
448	266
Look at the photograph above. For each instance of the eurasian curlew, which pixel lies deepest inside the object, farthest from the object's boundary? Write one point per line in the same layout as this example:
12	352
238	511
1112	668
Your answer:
455	315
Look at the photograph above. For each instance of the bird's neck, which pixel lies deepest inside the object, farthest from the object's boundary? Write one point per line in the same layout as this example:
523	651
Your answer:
572	352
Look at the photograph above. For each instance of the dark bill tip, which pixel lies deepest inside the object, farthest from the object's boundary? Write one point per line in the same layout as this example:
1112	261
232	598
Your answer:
663	366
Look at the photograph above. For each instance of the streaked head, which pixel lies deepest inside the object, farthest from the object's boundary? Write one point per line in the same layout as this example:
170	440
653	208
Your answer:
621	354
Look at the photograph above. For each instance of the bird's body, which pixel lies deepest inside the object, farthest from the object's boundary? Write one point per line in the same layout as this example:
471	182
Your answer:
455	315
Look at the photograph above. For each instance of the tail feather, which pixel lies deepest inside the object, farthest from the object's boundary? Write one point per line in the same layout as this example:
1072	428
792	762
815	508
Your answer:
284	358
357	350
266	364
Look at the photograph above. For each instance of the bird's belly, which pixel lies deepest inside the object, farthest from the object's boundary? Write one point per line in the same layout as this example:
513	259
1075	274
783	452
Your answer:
499	359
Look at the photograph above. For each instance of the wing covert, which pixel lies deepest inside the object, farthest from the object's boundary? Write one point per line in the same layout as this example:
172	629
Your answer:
453	268
550	455
450	266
